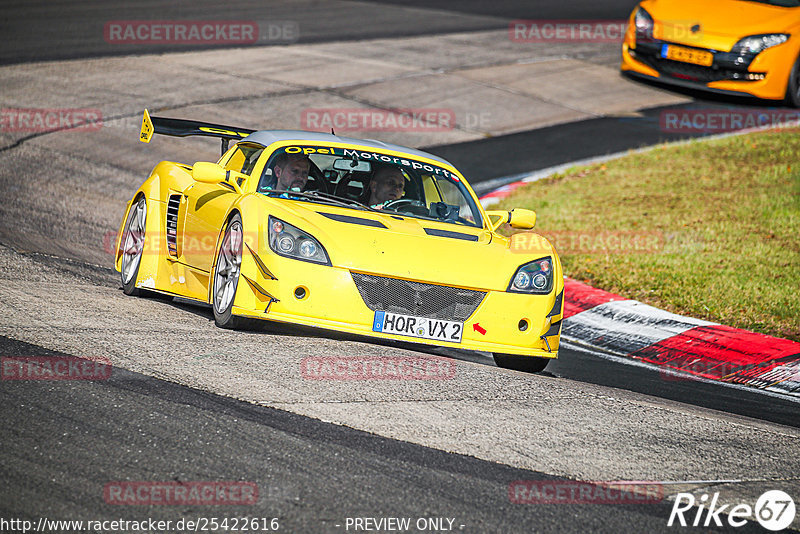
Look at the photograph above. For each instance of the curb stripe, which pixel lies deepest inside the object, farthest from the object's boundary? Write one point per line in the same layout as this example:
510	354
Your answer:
582	297
626	326
731	355
631	329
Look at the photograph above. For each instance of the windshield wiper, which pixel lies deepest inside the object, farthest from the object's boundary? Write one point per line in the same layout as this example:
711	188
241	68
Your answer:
347	202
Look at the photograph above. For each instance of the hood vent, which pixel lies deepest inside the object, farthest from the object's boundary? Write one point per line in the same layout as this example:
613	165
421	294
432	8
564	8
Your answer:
451	234
353	220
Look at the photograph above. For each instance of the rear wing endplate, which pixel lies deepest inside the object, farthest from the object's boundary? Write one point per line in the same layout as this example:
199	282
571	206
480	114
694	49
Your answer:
185	128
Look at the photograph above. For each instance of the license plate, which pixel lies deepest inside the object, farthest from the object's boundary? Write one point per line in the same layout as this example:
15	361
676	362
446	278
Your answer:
408	325
687	55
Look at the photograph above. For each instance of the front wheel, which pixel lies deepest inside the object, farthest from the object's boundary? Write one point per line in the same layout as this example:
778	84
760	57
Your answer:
793	87
226	273
132	246
527	364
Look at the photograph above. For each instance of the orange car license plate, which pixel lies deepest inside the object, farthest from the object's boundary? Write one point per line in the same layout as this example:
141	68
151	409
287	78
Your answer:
687	55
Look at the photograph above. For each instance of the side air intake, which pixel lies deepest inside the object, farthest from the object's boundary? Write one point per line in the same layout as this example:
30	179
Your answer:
173	206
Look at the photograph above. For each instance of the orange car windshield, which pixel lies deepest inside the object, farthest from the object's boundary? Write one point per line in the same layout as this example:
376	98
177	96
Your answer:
778	3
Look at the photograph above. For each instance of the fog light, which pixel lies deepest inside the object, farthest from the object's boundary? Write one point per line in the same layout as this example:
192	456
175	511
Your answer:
286	244
523	325
300	293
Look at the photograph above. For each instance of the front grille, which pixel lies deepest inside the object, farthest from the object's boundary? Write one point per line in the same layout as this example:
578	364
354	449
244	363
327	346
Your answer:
687	71
726	65
415	298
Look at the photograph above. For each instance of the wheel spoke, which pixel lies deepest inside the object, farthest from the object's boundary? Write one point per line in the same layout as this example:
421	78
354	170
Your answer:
130	268
226	294
221	293
140	217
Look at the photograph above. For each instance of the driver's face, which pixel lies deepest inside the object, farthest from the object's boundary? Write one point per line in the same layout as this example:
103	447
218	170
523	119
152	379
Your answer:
293	174
388	185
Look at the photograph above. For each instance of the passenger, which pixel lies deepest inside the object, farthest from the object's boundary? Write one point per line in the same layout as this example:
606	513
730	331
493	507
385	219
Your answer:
388	183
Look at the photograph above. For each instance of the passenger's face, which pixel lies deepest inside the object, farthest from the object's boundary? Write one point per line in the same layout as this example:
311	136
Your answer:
388	185
293	174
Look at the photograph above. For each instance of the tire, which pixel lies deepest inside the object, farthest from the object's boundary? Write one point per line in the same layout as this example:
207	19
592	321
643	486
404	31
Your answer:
527	364
226	274
132	245
793	87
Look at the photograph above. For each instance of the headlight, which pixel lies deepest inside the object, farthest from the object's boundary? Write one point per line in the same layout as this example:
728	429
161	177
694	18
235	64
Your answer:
644	24
534	277
286	240
755	44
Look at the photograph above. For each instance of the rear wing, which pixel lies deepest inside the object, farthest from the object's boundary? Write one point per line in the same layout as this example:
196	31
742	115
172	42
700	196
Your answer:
185	128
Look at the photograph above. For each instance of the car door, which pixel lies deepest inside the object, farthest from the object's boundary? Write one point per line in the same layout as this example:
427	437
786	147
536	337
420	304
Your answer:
207	206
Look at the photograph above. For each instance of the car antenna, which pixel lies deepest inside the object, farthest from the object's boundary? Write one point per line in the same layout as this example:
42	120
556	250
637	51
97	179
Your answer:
332	132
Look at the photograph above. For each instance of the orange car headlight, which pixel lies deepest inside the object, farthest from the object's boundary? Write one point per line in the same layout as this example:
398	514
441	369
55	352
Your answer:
755	44
644	25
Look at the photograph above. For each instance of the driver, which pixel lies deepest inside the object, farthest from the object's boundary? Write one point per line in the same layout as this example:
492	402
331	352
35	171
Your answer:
290	172
387	184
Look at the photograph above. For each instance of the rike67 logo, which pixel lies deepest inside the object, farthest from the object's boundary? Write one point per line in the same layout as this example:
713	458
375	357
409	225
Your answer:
774	510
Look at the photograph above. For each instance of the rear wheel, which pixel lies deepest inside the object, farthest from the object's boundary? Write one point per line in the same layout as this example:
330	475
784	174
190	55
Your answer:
132	245
527	364
226	274
793	87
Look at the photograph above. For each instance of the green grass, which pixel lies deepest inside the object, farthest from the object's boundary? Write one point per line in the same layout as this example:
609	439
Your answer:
725	214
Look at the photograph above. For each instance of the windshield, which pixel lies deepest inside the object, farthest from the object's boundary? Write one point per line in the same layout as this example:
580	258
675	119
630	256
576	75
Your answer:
370	181
779	3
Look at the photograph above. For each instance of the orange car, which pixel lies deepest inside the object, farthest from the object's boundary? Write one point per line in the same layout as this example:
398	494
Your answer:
742	47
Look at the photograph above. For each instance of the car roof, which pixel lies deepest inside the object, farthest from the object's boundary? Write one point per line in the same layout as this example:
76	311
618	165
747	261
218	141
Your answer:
267	137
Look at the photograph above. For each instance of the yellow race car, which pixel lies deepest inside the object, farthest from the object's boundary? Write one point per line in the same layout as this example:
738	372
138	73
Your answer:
740	47
356	236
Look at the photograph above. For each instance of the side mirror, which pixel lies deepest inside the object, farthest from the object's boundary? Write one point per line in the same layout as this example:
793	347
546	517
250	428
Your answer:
519	218
208	173
522	219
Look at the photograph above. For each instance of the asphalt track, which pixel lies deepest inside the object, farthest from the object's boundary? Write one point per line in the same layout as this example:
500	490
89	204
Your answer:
311	475
65	439
533	150
64	29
